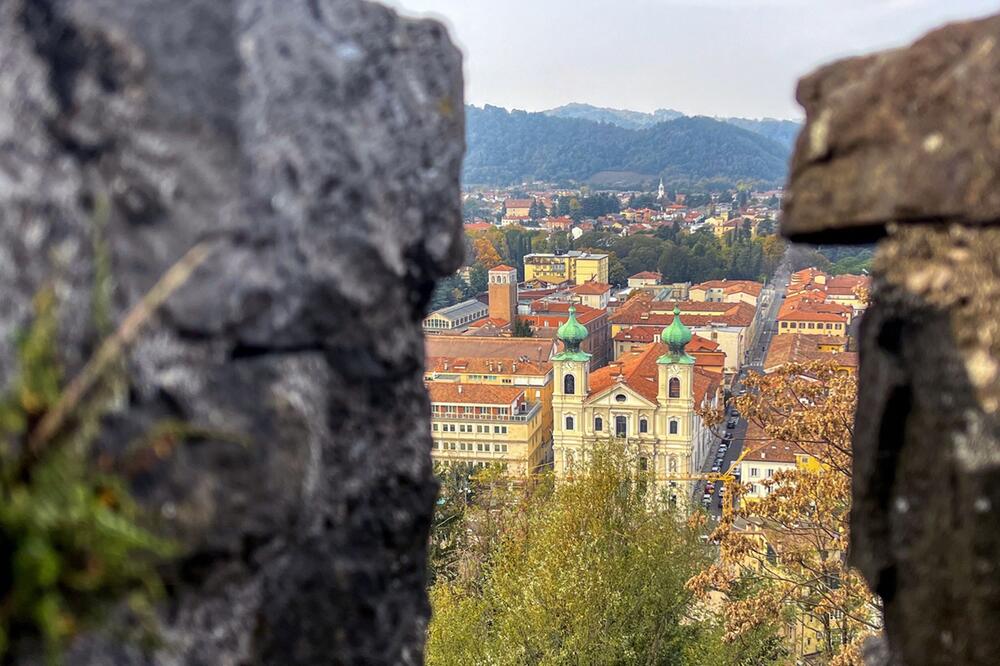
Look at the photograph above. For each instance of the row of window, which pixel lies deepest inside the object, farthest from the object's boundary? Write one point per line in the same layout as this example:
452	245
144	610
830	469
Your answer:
481	447
467	427
755	473
813	325
621	425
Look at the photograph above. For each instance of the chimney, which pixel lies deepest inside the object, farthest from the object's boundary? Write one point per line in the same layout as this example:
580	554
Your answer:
459	388
513	366
446	364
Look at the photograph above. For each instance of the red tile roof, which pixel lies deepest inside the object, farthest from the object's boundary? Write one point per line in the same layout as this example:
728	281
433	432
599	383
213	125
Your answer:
591	288
803	348
643	311
638	370
518	203
478	394
732	286
646	275
503	267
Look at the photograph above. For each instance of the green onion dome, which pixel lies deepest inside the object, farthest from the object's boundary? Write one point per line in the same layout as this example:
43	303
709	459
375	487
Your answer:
572	332
677	335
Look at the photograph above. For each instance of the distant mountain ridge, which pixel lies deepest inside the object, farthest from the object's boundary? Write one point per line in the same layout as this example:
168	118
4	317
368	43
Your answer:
511	147
782	131
621	117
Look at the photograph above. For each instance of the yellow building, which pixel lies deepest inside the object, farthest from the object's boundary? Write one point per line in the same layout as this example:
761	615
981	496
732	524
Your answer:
523	363
481	425
579	267
648	399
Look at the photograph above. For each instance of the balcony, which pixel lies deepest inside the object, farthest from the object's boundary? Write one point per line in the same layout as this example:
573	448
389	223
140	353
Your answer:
518	417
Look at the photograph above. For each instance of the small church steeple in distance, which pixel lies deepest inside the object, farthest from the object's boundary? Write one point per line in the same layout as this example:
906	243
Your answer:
661	192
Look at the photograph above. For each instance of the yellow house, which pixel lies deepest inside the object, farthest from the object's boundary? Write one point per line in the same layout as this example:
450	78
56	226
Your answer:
577	266
481	425
523	363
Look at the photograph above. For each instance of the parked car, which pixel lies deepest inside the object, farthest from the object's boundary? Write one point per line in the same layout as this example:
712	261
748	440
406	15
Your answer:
728	436
709	487
731	424
715	467
735	413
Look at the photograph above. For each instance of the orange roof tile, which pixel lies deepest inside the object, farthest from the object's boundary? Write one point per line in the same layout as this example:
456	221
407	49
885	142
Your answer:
478	394
803	348
638	370
491	348
591	288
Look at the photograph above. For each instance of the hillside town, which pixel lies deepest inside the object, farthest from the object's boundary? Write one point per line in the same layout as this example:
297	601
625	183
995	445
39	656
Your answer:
556	355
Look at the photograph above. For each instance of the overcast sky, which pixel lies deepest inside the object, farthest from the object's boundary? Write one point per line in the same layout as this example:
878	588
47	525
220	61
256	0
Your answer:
710	57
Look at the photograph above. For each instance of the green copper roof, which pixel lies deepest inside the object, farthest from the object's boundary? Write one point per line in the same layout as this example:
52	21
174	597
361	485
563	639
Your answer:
572	333
676	337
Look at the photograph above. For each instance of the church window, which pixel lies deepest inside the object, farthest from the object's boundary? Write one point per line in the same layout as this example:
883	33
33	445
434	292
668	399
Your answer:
621	426
598	424
621	397
674	427
569	384
643	425
569	423
674	387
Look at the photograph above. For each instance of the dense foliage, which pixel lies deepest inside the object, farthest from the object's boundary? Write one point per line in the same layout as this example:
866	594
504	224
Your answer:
790	547
71	537
511	147
834	259
591	571
682	257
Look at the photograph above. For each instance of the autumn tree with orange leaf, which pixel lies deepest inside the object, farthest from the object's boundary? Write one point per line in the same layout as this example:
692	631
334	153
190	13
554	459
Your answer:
790	547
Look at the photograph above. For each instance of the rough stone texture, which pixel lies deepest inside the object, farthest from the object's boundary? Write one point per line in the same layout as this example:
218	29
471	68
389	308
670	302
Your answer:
911	135
317	145
905	146
924	520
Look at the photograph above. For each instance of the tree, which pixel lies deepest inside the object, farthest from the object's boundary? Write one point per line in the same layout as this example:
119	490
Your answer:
790	547
522	329
479	279
591	572
486	254
517	243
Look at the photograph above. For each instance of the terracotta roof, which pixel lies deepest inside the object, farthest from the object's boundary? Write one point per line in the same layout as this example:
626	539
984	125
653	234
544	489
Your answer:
643	311
518	203
763	448
638	370
478	394
803	348
592	288
806	275
646	275
475	366
492	348
808	310
559	312
503	267
706	383
477	226
732	286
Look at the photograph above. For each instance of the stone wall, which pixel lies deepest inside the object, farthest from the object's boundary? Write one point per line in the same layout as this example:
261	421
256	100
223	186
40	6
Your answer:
314	148
904	146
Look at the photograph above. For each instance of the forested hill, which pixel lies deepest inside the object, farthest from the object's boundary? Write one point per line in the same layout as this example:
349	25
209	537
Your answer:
782	131
621	117
507	148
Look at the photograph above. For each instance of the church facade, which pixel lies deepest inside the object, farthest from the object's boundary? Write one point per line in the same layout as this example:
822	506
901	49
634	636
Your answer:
647	397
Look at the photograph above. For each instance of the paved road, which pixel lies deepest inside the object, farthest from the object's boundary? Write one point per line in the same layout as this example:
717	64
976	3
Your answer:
756	354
